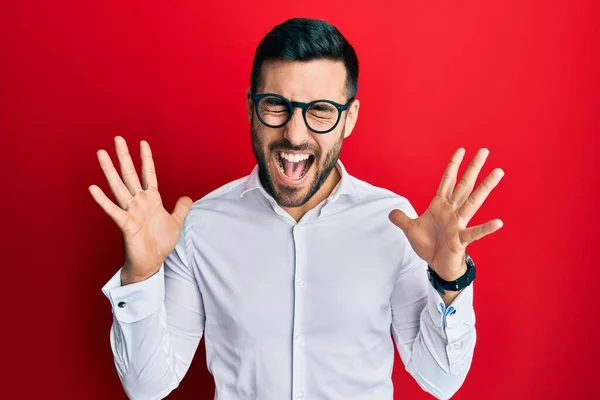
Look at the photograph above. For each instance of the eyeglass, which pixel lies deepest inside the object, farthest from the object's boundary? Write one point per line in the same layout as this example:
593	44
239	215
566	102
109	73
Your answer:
320	116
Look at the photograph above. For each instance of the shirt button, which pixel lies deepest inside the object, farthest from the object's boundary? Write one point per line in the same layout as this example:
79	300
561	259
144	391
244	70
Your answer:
298	337
299	395
122	304
299	282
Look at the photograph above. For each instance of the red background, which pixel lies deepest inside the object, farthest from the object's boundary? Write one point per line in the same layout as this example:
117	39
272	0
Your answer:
518	77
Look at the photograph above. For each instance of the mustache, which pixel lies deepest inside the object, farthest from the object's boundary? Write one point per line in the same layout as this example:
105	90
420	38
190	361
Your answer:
285	144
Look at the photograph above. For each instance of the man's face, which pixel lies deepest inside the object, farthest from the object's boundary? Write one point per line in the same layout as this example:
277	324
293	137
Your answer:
293	161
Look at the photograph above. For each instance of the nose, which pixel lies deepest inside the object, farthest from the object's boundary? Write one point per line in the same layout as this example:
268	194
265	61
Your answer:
296	130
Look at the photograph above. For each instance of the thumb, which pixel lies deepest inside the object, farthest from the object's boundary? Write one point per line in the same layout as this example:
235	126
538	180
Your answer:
182	208
400	219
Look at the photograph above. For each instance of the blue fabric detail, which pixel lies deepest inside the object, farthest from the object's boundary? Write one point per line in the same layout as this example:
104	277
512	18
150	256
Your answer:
445	312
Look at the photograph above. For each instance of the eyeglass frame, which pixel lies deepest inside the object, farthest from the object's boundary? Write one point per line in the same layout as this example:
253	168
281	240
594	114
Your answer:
304	106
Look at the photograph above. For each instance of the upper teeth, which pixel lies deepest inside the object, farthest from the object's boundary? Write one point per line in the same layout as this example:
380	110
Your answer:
294	157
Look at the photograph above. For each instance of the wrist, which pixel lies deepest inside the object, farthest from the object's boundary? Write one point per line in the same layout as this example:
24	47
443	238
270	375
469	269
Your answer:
454	275
128	277
455	282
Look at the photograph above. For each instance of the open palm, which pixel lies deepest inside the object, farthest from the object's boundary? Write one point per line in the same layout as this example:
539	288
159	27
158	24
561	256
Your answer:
440	235
150	233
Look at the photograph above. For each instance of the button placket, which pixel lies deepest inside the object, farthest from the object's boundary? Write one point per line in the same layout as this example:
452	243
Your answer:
298	356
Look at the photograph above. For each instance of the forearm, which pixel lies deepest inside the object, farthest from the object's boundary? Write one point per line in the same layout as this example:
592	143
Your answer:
442	352
440	362
151	357
436	341
449	297
145	358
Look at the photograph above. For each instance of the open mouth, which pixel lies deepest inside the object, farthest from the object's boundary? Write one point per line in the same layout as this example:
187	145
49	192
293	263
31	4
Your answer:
294	167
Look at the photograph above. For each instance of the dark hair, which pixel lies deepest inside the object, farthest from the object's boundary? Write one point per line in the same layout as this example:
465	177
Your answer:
304	39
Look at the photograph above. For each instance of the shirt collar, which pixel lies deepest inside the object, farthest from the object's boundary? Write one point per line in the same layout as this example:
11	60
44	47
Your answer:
346	186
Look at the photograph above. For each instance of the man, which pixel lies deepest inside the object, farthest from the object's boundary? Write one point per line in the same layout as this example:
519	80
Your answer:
294	274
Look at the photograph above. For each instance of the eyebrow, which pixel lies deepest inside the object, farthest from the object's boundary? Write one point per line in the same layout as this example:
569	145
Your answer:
303	101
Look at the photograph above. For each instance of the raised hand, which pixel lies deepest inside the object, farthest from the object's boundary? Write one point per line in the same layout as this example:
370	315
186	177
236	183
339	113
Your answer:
440	236
150	233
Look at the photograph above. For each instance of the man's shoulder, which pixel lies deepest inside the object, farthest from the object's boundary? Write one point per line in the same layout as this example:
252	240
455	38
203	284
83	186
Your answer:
224	194
229	190
373	195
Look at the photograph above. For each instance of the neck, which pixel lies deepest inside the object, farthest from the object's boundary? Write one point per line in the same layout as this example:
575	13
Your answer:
324	191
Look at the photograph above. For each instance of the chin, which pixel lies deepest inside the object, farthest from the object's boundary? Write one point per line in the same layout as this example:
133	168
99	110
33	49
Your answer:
292	191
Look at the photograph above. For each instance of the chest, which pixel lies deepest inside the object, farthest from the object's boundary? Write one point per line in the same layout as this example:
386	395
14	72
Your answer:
270	278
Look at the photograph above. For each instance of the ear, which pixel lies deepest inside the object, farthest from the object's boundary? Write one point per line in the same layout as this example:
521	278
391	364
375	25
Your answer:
351	117
249	105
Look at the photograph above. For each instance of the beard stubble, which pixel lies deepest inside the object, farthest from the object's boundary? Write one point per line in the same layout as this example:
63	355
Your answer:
289	196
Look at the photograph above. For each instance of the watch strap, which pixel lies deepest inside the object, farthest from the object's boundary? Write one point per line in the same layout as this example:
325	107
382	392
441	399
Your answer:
456	285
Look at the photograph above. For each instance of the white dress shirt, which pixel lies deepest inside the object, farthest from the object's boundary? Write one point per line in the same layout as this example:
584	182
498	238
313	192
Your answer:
291	310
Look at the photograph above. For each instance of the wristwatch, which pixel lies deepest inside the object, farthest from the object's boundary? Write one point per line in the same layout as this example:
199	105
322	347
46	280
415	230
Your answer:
454	286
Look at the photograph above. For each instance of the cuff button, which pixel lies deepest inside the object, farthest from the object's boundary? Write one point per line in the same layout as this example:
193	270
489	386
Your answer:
122	304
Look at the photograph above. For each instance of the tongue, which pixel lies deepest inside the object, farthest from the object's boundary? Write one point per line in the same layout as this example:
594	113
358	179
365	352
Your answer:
293	169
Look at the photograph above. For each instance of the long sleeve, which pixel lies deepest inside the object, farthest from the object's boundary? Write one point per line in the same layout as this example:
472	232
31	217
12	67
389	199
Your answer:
436	343
157	326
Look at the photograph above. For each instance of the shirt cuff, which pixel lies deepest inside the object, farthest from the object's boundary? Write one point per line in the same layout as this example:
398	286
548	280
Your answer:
458	322
136	301
458	314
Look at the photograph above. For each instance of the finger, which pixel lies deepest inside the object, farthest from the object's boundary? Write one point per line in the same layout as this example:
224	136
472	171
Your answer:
182	208
401	220
474	233
467	182
114	212
148	172
476	199
127	168
117	186
449	178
